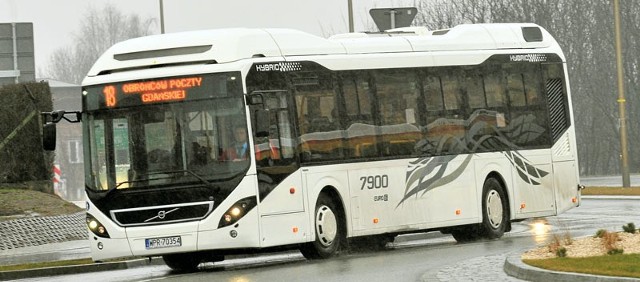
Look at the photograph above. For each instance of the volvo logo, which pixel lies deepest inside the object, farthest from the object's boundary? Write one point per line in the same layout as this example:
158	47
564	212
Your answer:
161	214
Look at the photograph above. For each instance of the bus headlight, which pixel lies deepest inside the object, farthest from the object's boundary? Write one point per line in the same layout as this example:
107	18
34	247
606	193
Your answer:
96	227
237	211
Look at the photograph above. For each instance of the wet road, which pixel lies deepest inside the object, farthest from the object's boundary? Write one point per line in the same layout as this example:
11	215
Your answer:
408	259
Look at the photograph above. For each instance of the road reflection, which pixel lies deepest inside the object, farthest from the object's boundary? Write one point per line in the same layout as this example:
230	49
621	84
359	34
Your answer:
540	230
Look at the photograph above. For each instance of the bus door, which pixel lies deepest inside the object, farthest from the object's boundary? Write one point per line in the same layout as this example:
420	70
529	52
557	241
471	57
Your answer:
279	180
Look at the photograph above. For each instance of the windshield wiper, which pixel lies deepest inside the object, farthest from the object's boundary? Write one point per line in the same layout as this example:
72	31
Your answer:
207	183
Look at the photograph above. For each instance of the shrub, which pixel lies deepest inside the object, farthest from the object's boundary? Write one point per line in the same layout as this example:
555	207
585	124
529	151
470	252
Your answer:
568	240
21	156
629	228
610	242
615	251
600	233
561	252
555	244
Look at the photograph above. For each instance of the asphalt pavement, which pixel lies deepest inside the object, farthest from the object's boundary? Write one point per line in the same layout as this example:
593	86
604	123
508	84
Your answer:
507	267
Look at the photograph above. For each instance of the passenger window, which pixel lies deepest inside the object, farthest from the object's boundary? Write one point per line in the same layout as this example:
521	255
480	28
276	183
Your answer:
318	118
397	100
451	92
475	91
515	84
433	93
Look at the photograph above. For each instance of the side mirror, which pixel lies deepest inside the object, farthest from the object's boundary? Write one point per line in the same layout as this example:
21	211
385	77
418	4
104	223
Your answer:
262	122
49	136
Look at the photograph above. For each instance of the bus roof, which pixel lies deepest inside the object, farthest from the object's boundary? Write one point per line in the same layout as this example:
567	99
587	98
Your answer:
229	45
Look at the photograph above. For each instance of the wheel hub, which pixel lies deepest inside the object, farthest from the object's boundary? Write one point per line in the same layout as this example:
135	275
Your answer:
494	209
326	225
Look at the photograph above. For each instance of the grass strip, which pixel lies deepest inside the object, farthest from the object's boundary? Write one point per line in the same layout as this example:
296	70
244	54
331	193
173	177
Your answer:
609	265
45	264
611	191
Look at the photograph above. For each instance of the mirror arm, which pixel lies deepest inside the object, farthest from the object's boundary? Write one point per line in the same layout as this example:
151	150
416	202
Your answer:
57	116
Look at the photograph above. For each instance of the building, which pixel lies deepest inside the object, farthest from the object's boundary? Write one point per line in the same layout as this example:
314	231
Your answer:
69	156
17	63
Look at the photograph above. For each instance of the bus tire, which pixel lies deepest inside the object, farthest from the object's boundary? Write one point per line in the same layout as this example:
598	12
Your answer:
465	234
495	210
371	242
185	262
329	229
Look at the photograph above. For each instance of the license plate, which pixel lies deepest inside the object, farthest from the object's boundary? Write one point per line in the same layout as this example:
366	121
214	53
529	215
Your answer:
164	242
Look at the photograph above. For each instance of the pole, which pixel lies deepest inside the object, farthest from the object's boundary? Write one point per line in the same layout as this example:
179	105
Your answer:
621	100
350	11
393	18
14	39
161	17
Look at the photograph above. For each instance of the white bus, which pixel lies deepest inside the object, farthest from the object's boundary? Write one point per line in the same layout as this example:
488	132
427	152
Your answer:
202	144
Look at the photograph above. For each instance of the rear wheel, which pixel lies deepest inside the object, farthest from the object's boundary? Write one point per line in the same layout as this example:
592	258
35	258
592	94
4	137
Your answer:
495	210
329	229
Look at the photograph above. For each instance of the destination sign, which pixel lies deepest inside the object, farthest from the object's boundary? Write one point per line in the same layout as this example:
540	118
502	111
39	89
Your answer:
152	91
161	90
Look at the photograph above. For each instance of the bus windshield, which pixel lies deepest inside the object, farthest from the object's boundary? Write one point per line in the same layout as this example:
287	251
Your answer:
186	143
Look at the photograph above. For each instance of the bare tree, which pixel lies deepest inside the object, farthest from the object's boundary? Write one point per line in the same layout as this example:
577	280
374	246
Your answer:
98	31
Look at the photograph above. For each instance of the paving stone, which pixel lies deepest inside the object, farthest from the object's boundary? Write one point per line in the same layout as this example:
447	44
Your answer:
37	231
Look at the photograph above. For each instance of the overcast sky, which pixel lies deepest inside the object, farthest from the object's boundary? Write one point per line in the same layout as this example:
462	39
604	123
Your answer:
56	21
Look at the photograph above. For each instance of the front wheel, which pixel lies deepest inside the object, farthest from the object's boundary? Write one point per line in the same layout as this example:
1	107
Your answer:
185	262
329	230
495	210
465	234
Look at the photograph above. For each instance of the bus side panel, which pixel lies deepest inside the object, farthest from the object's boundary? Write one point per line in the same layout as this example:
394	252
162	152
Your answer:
565	174
376	189
286	197
283	213
401	196
455	202
314	180
486	164
533	184
566	183
284	229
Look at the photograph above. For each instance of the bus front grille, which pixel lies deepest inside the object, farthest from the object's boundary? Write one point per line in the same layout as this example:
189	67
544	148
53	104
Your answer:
162	214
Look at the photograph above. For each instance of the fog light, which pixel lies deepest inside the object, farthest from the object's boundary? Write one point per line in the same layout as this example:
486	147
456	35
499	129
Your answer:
233	233
100	246
227	218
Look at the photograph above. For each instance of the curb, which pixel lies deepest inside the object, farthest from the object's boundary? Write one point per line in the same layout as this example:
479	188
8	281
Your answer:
76	269
607	197
513	266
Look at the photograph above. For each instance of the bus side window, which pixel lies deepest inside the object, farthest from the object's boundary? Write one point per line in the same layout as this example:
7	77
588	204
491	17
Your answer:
528	126
280	146
359	125
319	125
397	95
